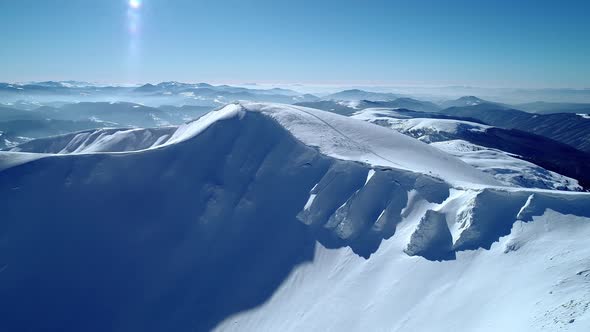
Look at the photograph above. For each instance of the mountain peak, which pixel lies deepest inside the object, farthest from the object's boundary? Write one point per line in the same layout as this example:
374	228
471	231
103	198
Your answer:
349	139
465	101
303	200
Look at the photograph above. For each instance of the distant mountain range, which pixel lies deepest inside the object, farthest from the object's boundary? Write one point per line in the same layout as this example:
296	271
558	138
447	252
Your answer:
567	128
349	107
547	108
171	93
356	94
27	95
465	101
165	103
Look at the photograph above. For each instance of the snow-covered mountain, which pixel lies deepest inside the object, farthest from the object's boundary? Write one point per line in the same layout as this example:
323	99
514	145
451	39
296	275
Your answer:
539	150
275	217
348	107
120	113
99	140
456	136
464	101
405	103
15	132
18	126
568	128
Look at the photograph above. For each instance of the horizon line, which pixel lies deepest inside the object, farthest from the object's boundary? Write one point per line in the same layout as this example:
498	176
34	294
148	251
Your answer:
303	84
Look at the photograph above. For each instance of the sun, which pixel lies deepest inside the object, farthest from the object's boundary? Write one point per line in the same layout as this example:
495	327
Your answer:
135	4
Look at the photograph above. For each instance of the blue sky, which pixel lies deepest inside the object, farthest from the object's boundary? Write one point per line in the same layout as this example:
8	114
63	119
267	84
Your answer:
486	43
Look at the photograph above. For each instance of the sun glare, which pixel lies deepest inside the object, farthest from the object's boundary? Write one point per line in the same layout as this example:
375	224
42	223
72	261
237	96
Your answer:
135	4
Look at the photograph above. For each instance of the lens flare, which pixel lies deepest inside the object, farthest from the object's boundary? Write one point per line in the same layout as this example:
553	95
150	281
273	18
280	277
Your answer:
134	26
135	4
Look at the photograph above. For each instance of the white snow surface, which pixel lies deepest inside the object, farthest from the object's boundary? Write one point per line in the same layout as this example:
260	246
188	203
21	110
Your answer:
233	223
510	170
99	140
126	139
347	139
417	126
334	135
535	279
443	134
12	159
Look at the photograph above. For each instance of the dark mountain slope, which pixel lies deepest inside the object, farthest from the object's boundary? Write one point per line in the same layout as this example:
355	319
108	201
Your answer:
567	128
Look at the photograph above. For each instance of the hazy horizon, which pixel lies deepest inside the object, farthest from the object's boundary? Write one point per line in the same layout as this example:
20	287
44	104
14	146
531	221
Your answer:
529	44
295	84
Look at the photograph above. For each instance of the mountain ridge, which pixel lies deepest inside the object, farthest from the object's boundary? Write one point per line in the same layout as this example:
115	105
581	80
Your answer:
207	229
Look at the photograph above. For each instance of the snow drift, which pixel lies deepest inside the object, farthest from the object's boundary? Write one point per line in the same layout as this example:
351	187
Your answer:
273	217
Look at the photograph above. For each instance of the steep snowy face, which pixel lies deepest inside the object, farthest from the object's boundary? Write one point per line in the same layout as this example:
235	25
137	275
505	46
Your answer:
535	279
345	138
219	215
232	212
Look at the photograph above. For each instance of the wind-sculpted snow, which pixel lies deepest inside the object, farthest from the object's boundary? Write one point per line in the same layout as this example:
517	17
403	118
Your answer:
224	219
99	140
432	238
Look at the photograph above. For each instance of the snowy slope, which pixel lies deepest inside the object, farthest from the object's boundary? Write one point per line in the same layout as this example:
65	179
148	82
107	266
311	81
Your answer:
450	136
12	159
535	279
246	220
123	139
99	140
344	138
506	168
334	135
425	129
